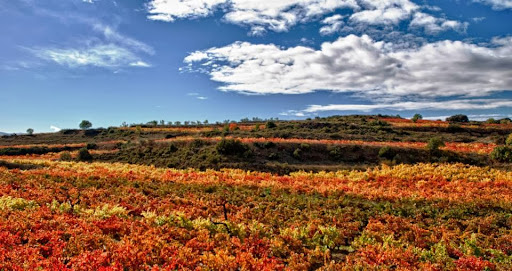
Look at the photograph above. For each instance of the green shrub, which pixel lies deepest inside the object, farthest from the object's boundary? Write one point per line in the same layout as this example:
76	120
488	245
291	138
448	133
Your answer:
270	125
84	155
492	121
379	123
416	117
386	152
273	156
66	156
509	140
85	124
505	121
269	144
336	152
297	153
91	146
458	118
172	148
305	146
502	154
454	128
232	147
435	143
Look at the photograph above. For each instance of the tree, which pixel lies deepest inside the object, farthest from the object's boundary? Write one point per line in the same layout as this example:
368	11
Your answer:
505	121
492	121
84	155
416	117
434	144
458	118
152	123
270	125
85	124
30	131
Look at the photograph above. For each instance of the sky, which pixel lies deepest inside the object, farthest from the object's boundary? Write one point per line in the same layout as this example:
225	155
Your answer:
109	62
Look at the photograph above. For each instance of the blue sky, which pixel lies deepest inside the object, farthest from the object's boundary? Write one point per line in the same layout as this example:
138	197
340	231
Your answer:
135	61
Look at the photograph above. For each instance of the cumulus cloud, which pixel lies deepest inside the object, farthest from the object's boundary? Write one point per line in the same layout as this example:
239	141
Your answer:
497	4
360	65
332	24
280	16
379	12
434	25
102	55
170	10
463	104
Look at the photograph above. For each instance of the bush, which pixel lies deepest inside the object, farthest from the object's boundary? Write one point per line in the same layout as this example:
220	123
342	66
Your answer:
509	140
416	117
297	153
305	146
232	147
458	118
435	143
454	128
66	156
502	154
269	144
85	124
91	146
270	125
386	152
379	123
492	121
84	155
273	156
30	131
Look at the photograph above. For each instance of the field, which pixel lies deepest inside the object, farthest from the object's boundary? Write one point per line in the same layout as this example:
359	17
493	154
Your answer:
380	200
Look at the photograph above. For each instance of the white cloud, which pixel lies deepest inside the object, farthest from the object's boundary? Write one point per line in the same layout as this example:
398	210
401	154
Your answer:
112	35
464	104
497	4
362	66
103	55
141	64
55	128
379	12
170	10
332	24
434	25
279	16
478	19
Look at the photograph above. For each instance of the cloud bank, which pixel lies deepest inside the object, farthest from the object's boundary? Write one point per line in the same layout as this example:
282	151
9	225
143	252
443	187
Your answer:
360	65
280	16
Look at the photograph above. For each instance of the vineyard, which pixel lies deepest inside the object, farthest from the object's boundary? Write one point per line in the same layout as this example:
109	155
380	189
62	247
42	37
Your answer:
58	212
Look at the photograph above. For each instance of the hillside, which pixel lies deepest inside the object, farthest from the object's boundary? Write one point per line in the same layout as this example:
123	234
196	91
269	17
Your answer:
338	193
334	143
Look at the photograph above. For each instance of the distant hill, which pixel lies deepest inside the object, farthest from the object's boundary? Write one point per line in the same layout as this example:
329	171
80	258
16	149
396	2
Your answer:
2	134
